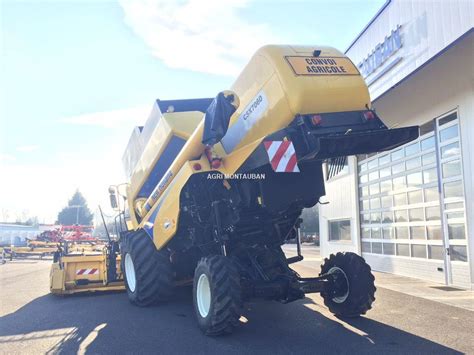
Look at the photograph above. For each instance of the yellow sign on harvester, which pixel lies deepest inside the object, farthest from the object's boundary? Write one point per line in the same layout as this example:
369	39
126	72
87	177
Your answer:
322	65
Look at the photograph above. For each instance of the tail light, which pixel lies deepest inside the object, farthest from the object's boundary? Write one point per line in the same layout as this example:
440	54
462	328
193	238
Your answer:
213	158
316	120
369	115
216	163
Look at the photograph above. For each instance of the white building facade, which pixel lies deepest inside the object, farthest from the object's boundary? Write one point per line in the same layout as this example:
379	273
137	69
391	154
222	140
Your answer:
410	211
18	234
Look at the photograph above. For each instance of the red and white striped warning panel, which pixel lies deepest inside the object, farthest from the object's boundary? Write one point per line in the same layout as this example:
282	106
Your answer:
87	272
282	156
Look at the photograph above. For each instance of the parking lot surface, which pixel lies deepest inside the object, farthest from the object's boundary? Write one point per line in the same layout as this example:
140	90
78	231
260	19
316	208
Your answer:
34	321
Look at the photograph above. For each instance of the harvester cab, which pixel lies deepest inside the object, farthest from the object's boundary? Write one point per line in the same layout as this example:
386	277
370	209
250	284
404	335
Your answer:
216	186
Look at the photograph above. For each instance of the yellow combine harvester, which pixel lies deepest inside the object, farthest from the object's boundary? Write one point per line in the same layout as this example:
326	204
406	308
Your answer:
216	186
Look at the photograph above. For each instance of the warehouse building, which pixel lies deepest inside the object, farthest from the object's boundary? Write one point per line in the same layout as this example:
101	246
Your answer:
410	211
17	234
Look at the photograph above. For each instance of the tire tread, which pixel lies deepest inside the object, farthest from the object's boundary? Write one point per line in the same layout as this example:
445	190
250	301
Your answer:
226	294
152	270
361	290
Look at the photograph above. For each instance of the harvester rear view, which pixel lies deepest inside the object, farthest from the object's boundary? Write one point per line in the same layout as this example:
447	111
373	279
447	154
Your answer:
216	186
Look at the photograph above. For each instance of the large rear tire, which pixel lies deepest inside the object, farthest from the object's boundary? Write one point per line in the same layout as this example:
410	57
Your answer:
358	288
147	271
217	295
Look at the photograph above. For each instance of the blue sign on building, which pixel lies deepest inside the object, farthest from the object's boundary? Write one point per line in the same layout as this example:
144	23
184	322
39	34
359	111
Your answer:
381	53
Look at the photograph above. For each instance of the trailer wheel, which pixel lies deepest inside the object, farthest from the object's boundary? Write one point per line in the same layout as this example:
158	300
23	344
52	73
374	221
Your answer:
217	295
354	290
147	272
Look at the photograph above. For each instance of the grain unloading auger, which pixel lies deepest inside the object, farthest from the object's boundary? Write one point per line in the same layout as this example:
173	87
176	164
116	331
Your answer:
218	185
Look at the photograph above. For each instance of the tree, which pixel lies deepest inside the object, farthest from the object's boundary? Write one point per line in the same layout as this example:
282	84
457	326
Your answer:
24	218
76	211
32	221
101	233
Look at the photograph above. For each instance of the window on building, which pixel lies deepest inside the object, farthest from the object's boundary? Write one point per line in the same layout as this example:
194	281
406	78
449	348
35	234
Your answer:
458	252
403	212
435	252
340	230
449	133
450	150
453	116
427	128
389	248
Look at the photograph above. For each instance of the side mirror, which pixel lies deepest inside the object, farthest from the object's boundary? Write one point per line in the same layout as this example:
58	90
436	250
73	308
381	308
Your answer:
113	201
113	198
217	118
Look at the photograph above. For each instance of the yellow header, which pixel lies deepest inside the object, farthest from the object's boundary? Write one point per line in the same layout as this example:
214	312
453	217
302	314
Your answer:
321	65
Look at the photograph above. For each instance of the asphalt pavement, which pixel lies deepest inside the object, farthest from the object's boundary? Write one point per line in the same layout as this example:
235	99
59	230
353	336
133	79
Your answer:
34	321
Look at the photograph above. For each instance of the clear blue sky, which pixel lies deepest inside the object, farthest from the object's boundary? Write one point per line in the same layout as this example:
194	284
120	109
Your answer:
76	76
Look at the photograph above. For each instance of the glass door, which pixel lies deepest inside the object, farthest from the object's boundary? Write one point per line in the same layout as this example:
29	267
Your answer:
450	180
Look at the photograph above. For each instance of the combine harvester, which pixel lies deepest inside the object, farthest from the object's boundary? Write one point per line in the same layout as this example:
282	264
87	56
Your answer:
216	186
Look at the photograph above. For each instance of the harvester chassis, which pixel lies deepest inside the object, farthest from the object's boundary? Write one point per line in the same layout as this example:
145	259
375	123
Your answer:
246	222
238	221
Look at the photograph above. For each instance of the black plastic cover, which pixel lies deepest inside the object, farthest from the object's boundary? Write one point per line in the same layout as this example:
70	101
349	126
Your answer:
361	142
216	120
